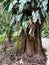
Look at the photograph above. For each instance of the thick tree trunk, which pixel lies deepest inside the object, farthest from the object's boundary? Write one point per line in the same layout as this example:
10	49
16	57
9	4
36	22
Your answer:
33	45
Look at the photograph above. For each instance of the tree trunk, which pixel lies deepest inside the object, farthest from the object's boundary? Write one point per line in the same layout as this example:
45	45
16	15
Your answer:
32	46
29	46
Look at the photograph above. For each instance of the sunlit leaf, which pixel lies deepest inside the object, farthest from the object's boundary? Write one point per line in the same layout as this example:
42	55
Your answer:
18	17
10	7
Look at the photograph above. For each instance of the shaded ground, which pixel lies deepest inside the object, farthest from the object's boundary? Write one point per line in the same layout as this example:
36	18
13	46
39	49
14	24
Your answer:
8	56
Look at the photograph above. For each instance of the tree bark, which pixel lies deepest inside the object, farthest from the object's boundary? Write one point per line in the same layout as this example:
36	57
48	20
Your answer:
34	45
29	46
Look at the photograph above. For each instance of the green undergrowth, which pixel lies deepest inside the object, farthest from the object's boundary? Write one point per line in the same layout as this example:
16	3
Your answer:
45	31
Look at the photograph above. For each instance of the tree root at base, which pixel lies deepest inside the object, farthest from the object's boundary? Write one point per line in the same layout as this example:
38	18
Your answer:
34	60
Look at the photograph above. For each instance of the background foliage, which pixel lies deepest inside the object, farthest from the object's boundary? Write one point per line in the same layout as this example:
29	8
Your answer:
8	22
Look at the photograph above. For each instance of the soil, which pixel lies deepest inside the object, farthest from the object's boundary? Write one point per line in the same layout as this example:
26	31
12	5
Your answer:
8	56
46	46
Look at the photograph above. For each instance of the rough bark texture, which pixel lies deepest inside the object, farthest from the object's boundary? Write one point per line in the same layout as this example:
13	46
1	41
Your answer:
31	43
20	47
29	46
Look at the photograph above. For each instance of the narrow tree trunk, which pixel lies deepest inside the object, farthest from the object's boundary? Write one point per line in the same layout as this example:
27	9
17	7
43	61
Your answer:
37	43
20	46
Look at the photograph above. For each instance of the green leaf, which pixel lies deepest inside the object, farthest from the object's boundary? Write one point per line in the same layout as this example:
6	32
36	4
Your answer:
36	16
18	17
24	25
14	2
3	37
10	7
24	1
21	7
